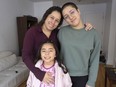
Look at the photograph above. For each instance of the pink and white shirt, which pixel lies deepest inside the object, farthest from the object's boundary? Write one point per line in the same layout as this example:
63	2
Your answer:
61	79
51	70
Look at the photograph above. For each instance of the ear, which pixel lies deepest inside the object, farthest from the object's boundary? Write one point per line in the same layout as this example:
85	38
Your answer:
55	55
78	11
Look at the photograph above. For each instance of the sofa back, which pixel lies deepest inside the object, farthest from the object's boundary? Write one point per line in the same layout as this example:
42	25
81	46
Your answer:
7	59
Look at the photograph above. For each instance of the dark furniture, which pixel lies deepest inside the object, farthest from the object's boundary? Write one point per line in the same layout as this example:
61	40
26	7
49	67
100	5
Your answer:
23	24
110	74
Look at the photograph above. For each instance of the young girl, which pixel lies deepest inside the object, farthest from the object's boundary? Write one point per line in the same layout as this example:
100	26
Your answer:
49	61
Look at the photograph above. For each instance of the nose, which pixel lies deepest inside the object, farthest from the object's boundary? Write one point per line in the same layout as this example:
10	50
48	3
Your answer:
70	17
47	52
53	22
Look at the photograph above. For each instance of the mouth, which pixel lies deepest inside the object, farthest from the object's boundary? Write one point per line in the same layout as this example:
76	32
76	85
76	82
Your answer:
73	20
47	58
50	25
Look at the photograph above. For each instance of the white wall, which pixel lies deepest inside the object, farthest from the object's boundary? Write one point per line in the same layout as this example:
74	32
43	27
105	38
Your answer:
112	35
95	14
9	10
41	7
107	28
114	63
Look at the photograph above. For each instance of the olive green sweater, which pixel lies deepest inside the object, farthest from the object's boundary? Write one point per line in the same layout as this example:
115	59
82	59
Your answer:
80	51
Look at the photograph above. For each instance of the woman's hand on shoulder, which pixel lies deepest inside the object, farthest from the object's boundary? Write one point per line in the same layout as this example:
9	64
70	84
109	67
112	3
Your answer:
88	86
88	26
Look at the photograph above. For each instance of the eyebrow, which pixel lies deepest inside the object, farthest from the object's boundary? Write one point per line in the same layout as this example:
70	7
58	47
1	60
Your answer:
45	48
71	10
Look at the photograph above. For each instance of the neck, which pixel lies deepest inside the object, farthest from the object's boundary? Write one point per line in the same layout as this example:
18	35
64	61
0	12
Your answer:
46	31
48	64
79	26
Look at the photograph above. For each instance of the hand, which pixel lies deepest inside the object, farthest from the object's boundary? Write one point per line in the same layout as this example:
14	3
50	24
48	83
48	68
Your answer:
48	78
88	26
87	85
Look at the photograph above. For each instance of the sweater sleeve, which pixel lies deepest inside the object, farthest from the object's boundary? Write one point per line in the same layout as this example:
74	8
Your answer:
94	61
28	55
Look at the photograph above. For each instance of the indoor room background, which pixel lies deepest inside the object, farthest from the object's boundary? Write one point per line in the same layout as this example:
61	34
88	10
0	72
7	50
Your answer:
101	15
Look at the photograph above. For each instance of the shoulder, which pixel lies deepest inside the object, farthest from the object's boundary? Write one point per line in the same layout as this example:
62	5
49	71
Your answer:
33	31
63	66
57	66
56	30
34	28
93	32
64	27
38	63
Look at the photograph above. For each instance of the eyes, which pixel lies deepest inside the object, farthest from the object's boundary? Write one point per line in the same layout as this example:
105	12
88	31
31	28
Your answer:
47	51
53	18
71	12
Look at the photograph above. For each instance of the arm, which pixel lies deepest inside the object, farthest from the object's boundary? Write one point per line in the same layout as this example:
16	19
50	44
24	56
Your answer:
94	61
28	55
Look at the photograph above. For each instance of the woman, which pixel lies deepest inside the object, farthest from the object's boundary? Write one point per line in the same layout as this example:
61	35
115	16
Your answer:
46	29
79	49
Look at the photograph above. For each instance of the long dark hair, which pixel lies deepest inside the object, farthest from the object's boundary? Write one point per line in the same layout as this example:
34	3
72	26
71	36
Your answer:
57	55
48	12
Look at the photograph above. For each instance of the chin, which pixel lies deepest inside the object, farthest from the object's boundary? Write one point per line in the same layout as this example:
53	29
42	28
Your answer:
51	29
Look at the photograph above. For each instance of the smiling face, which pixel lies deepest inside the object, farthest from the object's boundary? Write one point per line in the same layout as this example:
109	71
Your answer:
48	53
52	21
71	16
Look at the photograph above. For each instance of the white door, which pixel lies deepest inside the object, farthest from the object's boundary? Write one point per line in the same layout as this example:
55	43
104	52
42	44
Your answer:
97	20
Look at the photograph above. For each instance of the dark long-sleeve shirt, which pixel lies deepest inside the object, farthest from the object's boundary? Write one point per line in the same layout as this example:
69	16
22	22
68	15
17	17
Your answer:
32	41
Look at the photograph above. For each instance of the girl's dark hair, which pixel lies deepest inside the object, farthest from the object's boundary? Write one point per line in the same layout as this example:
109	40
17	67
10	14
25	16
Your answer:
48	12
57	55
69	4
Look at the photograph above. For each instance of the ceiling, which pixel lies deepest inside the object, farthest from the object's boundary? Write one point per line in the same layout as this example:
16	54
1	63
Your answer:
39	0
75	1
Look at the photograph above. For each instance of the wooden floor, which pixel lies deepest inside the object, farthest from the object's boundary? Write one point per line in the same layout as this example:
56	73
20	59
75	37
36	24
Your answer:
101	77
100	80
